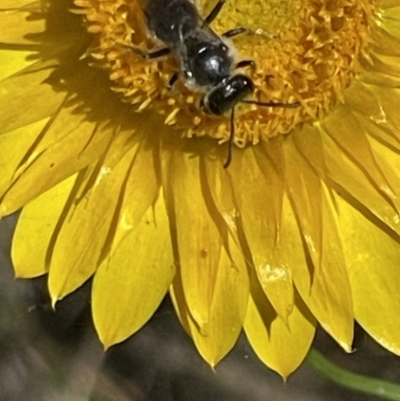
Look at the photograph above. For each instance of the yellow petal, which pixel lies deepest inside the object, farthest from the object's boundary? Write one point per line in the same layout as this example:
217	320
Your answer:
73	139
388	117
15	4
141	190
373	271
351	180
389	162
386	42
13	146
130	283
377	117
330	297
26	98
259	197
84	237
198	239
12	62
281	346
219	194
391	18
35	231
387	4
211	295
304	188
16	20
352	140
380	64
215	338
55	161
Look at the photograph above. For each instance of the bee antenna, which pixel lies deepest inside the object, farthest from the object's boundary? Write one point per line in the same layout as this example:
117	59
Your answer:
231	139
273	104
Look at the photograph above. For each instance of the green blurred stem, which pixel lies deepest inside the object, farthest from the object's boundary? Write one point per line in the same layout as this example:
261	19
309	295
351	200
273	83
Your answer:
365	384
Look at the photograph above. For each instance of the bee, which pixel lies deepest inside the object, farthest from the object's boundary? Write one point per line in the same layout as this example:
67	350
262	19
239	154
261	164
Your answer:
206	59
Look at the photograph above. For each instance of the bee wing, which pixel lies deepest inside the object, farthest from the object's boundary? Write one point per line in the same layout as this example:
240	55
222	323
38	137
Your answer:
208	31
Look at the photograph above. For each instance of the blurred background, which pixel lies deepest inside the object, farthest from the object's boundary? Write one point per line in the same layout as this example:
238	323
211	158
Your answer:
56	356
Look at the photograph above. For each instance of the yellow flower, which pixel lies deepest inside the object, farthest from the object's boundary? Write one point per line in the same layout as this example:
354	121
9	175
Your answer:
301	229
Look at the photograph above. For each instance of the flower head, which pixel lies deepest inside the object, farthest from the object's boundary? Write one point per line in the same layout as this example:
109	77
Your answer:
301	229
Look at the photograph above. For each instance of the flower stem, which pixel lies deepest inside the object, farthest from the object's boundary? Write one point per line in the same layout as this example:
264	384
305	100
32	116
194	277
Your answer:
365	384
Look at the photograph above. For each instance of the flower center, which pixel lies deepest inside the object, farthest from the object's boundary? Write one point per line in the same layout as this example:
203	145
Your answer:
303	51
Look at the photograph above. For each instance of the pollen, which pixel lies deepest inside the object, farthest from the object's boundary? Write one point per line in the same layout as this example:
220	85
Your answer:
304	51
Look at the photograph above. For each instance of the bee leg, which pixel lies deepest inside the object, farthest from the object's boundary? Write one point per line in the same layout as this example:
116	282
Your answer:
273	104
172	81
234	32
214	12
245	63
157	53
151	55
